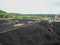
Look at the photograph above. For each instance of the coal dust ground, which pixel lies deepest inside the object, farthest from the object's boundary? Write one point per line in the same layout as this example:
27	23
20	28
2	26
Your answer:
30	34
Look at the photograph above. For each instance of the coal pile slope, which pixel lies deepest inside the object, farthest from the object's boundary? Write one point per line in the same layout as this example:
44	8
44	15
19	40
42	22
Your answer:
56	28
35	34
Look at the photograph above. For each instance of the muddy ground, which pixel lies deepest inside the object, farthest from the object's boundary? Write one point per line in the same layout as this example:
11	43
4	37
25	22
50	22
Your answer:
32	34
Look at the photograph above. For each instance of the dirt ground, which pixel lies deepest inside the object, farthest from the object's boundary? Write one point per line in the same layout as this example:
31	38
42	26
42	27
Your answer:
34	34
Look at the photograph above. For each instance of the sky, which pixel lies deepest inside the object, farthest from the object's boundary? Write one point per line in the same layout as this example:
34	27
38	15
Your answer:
31	6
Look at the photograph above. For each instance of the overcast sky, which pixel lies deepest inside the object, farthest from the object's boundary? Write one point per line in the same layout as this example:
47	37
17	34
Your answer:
31	6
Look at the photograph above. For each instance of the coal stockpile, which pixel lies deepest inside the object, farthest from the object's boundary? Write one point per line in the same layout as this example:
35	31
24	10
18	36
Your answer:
56	28
34	34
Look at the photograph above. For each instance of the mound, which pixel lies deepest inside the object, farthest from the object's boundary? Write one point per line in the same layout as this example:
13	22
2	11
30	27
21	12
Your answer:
35	34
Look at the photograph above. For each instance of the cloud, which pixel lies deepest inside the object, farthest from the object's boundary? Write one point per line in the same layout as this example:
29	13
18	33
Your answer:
56	3
30	6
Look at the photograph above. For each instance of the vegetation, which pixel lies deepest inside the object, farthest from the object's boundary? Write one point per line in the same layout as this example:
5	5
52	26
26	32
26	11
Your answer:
4	14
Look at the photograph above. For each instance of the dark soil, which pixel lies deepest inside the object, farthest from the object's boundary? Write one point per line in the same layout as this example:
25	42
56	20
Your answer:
34	34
